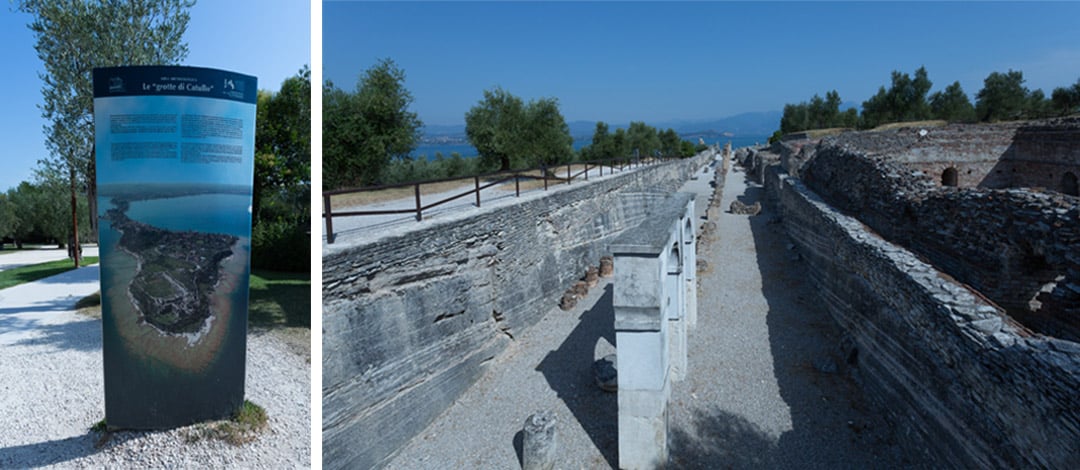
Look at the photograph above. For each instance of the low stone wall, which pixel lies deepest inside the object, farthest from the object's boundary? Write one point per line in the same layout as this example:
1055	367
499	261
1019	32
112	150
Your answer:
409	320
1019	248
957	377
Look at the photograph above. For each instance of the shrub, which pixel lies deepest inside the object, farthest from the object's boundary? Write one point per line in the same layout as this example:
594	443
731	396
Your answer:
281	245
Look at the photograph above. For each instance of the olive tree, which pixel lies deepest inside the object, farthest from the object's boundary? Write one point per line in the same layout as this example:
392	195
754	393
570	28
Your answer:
72	38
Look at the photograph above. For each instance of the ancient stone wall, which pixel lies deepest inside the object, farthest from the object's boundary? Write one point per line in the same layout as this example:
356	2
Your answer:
1030	154
409	320
1019	248
959	379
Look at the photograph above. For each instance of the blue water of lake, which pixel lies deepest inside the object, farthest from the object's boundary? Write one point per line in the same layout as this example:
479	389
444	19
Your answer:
208	213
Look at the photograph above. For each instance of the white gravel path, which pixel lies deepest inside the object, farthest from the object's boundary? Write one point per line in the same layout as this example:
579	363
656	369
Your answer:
51	393
13	259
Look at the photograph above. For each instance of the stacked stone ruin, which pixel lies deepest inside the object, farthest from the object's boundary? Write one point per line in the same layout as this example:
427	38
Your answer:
951	257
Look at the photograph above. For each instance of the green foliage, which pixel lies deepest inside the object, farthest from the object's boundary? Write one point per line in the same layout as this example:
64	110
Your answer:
639	139
421	169
9	223
669	143
281	245
364	131
41	211
282	187
1038	105
511	134
818	113
776	136
642	139
1003	97
904	101
283	139
952	105
603	144
74	37
1066	100
686	149
243	427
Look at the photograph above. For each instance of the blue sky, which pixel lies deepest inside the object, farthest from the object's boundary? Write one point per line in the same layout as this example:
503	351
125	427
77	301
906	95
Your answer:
618	62
270	39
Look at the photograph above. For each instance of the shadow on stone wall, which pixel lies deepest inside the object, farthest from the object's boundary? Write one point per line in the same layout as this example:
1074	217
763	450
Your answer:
1041	155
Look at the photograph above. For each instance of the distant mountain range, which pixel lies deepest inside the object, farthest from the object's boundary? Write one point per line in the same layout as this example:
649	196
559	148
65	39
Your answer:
745	124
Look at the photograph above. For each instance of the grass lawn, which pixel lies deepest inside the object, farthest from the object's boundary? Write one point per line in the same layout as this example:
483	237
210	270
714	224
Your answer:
20	275
279	299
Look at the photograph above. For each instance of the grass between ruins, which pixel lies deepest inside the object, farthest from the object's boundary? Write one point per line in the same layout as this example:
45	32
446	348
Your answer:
31	273
242	427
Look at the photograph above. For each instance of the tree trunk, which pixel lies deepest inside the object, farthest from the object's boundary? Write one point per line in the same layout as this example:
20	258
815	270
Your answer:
91	194
74	219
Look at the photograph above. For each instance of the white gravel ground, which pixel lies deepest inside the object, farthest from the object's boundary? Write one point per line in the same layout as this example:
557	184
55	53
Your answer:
51	393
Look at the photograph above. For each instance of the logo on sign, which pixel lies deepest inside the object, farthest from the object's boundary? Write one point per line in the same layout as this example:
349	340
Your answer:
116	84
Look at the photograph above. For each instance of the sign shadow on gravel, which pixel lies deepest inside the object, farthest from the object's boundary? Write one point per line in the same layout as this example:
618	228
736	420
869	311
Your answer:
47	453
82	335
568	371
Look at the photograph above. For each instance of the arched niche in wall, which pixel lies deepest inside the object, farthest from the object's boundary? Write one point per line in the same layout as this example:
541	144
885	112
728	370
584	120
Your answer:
949	177
674	268
1069	184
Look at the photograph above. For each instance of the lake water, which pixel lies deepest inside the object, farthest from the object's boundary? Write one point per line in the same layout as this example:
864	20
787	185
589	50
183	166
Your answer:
467	151
207	213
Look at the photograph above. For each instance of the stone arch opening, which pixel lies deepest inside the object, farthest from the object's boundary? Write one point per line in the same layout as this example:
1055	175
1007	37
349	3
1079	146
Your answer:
674	268
1069	184
949	177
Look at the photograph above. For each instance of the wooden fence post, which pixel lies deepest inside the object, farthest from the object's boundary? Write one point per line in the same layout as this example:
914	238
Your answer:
416	189
329	219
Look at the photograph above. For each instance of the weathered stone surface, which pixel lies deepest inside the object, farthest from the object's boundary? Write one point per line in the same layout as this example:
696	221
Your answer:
607	266
958	379
409	319
1016	246
568	301
580	289
592	276
738	207
540	447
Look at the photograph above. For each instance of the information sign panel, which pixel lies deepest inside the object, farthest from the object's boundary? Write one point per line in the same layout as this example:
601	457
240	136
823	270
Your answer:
174	149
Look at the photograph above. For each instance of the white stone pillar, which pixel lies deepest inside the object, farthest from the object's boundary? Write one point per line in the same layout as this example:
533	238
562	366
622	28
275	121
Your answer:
674	306
647	303
690	264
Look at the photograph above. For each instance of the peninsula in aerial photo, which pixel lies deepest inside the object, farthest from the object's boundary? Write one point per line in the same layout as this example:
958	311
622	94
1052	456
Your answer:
182	254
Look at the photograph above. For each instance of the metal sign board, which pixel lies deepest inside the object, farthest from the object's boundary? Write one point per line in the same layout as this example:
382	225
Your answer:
174	149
